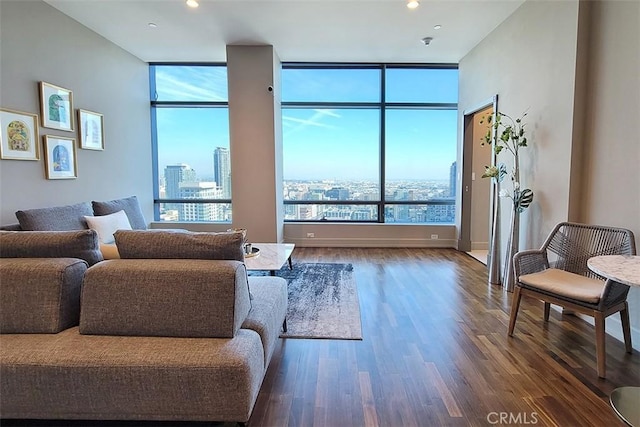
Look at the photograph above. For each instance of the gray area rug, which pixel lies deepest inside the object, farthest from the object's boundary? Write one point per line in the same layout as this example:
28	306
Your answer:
323	301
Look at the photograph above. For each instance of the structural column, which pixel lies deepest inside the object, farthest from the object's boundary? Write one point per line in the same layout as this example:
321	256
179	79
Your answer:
255	129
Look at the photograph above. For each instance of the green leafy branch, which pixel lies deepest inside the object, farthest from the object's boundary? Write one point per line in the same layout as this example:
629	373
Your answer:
511	136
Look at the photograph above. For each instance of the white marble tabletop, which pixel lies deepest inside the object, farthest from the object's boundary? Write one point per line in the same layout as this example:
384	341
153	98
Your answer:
621	268
271	256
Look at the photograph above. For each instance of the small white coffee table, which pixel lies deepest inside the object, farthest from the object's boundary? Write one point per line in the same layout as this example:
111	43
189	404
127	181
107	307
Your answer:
271	257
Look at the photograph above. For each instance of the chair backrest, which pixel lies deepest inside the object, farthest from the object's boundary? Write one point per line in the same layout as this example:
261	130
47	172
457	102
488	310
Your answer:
570	245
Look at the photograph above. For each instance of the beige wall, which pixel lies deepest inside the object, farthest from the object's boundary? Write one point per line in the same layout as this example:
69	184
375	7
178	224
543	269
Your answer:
38	43
611	181
538	77
574	66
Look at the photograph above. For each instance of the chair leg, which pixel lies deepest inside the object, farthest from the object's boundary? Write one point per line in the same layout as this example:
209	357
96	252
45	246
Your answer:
515	304
600	348
626	327
547	307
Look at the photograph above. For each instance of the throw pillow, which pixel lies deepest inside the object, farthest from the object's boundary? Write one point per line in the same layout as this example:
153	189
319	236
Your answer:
58	218
129	205
179	245
81	244
106	225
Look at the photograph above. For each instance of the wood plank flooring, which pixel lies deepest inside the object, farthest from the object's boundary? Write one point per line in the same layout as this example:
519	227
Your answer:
436	353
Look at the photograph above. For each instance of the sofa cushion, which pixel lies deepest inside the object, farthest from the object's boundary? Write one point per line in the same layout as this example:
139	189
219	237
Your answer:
179	244
11	227
566	284
129	204
58	218
106	225
109	251
40	295
81	244
165	297
68	375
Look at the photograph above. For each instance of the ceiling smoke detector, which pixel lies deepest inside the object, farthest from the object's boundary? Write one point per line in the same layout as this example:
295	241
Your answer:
426	41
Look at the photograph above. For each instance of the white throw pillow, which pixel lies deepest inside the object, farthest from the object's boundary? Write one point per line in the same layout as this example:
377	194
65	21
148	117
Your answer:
106	225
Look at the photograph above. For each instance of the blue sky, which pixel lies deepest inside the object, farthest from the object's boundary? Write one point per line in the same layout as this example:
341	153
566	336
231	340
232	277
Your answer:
320	143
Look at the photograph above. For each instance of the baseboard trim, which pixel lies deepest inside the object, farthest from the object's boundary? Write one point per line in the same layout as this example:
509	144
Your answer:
371	243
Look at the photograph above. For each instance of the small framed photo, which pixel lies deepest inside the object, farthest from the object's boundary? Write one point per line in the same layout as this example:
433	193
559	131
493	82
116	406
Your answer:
60	157
19	136
56	107
91	130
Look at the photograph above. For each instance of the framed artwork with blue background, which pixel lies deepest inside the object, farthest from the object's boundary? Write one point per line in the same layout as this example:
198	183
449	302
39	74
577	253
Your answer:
60	157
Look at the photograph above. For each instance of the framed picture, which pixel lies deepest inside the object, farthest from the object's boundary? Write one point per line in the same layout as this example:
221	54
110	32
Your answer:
56	107
19	136
60	157
91	130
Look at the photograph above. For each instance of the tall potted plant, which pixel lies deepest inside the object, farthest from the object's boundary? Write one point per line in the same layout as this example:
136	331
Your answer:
509	137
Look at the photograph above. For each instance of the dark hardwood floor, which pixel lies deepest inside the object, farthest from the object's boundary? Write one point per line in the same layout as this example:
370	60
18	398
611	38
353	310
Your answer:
436	353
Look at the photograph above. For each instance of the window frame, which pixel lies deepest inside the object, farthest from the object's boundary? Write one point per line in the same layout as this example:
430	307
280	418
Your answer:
154	105
382	106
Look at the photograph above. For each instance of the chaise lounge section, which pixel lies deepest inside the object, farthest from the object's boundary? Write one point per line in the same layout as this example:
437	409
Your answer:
138	338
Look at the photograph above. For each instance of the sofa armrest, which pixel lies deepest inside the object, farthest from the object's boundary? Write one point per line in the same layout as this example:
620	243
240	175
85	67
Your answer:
40	295
165	297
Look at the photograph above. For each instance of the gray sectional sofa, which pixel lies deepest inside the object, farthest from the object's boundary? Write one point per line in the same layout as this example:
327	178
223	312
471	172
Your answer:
175	336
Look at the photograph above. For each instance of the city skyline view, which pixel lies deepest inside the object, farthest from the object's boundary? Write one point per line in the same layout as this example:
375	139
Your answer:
338	140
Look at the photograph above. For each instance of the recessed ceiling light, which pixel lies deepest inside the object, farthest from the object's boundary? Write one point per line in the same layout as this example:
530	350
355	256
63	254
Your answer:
412	4
192	3
427	41
152	24
437	27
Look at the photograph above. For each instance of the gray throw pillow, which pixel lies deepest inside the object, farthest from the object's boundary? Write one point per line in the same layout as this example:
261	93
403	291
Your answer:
175	244
58	218
129	205
82	244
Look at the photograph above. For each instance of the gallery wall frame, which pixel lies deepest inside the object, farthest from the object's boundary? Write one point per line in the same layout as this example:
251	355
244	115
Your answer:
19	137
60	157
56	107
90	130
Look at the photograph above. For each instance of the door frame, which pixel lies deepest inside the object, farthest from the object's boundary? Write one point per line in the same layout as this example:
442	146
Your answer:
464	238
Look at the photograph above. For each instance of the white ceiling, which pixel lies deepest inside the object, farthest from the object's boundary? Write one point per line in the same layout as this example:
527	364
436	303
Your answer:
299	30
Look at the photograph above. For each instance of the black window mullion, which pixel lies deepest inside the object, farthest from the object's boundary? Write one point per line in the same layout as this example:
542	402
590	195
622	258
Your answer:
382	142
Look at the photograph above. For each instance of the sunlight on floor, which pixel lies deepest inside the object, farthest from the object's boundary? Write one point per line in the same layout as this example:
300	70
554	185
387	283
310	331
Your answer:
480	255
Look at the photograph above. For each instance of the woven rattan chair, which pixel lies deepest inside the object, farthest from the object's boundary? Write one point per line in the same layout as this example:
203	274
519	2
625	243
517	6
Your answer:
558	274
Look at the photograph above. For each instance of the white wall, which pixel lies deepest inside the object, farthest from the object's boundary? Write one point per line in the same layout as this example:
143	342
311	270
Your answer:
38	43
256	141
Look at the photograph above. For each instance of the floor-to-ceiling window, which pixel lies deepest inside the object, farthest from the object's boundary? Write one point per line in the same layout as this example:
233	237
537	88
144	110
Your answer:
369	143
190	130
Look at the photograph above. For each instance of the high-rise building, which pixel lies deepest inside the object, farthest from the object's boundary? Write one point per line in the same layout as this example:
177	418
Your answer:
199	211
222	171
452	179
173	176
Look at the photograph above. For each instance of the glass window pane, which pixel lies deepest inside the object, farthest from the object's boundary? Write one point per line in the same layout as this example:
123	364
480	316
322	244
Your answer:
193	153
314	212
196	212
331	154
420	154
191	83
426	213
421	85
330	85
